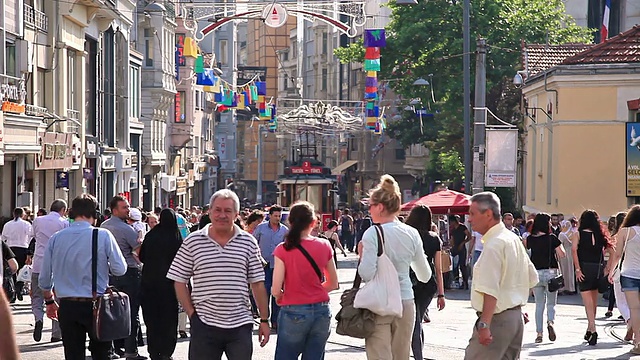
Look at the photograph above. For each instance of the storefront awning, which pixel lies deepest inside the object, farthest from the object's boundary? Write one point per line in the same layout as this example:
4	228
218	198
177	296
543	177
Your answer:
342	167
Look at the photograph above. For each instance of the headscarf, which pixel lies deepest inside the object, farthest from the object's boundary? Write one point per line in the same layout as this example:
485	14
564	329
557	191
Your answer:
168	222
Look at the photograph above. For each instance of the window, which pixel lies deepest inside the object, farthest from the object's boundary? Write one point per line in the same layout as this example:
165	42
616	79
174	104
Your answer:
324	43
71	80
42	88
294	48
148	46
285	84
285	55
595	14
325	75
90	85
134	91
224	58
12	69
198	100
400	154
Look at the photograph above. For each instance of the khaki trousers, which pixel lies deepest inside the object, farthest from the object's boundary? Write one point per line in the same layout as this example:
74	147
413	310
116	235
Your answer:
391	339
507	329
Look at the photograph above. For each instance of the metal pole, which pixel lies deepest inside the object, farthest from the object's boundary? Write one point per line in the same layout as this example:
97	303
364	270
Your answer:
466	110
259	180
480	117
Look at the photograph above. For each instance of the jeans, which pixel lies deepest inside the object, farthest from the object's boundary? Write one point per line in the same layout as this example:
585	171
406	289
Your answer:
129	283
37	306
476	256
422	300
210	342
460	262
303	329
268	281
347	240
543	296
76	321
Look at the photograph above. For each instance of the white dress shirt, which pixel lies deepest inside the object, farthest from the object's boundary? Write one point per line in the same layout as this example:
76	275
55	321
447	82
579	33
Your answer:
43	228
17	233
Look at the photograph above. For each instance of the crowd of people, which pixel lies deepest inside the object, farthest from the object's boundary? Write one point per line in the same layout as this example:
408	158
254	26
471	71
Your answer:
225	270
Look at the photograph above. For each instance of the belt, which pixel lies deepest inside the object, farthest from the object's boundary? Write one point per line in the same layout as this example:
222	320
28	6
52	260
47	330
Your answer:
513	308
79	299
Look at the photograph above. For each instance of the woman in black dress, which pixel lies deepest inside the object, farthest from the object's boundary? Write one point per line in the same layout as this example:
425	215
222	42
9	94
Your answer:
592	239
420	219
159	302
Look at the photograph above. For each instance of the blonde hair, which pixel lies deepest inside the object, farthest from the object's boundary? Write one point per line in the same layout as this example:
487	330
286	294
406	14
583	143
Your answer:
387	193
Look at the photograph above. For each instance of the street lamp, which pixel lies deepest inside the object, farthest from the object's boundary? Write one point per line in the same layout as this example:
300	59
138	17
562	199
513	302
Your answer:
421	82
406	2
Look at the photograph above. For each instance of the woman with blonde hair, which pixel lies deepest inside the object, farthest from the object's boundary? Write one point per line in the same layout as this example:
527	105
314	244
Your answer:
403	245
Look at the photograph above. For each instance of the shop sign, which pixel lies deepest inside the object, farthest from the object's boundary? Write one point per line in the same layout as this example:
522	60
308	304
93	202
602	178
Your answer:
12	97
108	161
87	174
92	150
501	158
181	186
632	140
56	152
213	172
62	179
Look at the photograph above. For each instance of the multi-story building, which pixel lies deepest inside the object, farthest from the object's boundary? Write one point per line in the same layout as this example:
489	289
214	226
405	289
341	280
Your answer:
155	40
624	14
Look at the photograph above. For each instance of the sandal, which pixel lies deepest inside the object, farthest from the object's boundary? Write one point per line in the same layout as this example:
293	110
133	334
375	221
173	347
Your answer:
552	332
538	339
629	335
635	350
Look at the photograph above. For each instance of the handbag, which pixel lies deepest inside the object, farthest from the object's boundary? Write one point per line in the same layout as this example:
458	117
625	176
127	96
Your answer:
447	263
357	323
556	283
381	295
111	310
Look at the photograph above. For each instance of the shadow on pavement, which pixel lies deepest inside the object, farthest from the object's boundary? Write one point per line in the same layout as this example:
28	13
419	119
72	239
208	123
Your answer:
537	350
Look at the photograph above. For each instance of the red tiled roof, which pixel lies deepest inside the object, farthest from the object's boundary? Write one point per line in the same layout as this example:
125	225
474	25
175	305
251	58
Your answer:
540	57
621	49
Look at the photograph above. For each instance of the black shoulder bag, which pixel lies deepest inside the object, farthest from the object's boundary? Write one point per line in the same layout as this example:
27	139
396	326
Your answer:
556	283
111	310
357	323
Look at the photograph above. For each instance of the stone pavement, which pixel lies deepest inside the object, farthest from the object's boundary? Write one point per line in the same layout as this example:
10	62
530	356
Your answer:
446	336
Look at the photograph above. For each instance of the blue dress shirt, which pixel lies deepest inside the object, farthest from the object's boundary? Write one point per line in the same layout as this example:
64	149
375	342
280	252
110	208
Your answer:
67	261
268	239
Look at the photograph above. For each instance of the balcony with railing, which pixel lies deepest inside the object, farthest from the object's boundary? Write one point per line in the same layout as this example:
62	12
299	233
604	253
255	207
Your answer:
73	122
35	19
170	5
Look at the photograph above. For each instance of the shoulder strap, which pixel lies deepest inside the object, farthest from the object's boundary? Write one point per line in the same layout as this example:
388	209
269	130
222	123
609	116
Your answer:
380	233
311	261
552	252
94	264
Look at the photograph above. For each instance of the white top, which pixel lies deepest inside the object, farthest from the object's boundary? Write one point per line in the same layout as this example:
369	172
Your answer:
43	228
17	233
478	245
631	262
403	246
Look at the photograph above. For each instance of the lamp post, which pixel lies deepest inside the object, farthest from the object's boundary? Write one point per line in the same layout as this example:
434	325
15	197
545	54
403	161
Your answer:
466	80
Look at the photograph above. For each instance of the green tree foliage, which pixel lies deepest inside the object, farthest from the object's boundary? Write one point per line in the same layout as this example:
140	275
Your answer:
426	39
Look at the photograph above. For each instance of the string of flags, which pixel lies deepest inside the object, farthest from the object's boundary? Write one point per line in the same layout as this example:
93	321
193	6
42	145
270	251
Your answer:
374	39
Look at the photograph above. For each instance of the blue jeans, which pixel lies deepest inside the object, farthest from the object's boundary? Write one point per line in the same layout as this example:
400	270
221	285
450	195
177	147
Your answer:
275	309
303	329
543	296
476	256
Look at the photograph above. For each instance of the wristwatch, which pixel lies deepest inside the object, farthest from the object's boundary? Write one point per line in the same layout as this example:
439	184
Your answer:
264	321
482	325
49	302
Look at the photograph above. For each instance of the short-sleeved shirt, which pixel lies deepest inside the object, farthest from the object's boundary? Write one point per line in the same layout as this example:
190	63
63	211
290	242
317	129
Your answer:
301	282
126	237
220	276
268	239
542	250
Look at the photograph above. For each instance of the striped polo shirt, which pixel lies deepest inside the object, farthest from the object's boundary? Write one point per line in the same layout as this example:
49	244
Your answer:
220	276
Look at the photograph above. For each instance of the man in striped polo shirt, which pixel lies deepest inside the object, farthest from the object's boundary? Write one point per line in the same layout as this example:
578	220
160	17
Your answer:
222	259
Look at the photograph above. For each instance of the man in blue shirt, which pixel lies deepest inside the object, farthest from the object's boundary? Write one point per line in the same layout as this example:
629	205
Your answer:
269	235
67	266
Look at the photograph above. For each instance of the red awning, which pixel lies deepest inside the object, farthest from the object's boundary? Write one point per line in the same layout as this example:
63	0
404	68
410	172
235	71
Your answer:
443	202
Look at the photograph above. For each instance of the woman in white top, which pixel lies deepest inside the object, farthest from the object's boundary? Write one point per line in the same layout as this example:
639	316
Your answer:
18	233
392	336
629	246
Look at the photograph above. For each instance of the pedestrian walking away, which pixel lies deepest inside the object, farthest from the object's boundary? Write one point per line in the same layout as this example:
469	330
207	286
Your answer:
43	228
303	276
499	294
66	265
17	233
159	302
222	259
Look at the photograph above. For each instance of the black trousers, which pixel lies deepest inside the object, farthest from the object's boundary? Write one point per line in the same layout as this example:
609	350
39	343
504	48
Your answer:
160	312
129	283
210	342
75	318
21	258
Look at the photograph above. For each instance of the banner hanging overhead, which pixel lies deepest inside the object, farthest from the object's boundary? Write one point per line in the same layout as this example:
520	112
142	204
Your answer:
501	158
632	148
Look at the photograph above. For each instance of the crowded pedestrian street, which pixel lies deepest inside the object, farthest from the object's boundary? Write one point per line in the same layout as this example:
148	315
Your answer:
447	335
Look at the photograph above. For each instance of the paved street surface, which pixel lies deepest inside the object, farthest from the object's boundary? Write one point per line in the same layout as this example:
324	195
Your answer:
446	335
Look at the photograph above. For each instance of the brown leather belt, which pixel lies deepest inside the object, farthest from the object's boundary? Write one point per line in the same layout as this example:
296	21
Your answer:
80	299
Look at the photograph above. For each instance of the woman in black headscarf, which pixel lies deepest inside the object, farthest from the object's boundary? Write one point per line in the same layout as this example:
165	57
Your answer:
159	302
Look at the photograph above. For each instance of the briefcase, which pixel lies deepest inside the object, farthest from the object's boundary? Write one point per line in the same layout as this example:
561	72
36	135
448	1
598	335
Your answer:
111	310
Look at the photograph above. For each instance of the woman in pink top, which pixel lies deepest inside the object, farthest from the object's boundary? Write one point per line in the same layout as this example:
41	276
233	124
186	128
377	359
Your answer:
303	276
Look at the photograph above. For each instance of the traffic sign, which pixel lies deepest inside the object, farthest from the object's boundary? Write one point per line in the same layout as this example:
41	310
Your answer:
275	15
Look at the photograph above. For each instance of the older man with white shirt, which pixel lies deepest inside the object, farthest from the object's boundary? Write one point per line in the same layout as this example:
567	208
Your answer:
43	228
